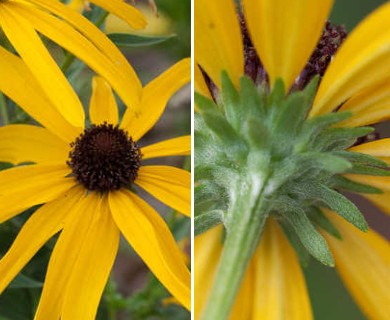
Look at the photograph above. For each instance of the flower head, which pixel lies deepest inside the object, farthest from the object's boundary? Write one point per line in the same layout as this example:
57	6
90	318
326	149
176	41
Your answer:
85	178
275	150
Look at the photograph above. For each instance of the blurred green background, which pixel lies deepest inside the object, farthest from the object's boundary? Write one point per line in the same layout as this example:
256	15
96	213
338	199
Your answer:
330	300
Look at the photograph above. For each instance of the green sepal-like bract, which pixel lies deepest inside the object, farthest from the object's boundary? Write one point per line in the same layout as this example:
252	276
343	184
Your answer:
263	143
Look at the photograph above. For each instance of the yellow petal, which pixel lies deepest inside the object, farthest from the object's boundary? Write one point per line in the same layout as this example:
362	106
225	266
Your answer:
64	256
356	66
100	40
92	268
207	252
170	185
150	237
200	83
25	143
39	228
155	97
180	146
24	187
78	5
41	64
379	182
69	38
363	261
124	11
279	285
28	94
368	107
218	40
102	107
382	201
285	33
379	149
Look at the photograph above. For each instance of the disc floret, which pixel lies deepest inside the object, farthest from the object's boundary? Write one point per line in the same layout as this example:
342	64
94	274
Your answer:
104	158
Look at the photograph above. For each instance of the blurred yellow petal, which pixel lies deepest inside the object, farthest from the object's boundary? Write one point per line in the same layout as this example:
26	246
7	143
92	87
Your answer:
155	96
170	185
363	261
151	238
92	267
207	252
41	64
218	40
379	182
102	107
39	228
64	256
78	5
24	187
356	67
68	38
100	40
379	149
158	24
28	94
180	146
285	33
279	285
26	143
368	107
124	11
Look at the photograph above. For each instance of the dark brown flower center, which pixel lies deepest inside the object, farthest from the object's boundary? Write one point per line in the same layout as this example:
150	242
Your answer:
104	158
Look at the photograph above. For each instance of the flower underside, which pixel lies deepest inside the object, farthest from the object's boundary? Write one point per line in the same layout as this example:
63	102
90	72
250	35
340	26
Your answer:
259	146
263	142
104	158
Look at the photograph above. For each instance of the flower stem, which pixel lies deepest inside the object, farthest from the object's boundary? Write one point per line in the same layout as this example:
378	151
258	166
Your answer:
248	216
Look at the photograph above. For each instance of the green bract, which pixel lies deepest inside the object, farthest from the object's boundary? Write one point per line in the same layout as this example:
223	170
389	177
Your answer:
257	154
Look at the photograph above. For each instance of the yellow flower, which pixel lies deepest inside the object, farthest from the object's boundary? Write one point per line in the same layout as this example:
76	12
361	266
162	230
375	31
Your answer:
83	176
284	34
20	22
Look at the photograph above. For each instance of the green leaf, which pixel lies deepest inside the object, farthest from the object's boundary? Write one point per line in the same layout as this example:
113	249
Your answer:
338	203
252	99
235	146
368	170
319	219
342	183
311	239
257	132
278	93
324	161
204	103
302	253
339	138
22	281
207	221
129	40
290	115
312	127
361	158
230	101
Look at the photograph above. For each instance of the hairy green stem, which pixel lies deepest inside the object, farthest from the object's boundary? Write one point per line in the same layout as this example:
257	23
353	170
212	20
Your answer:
248	216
